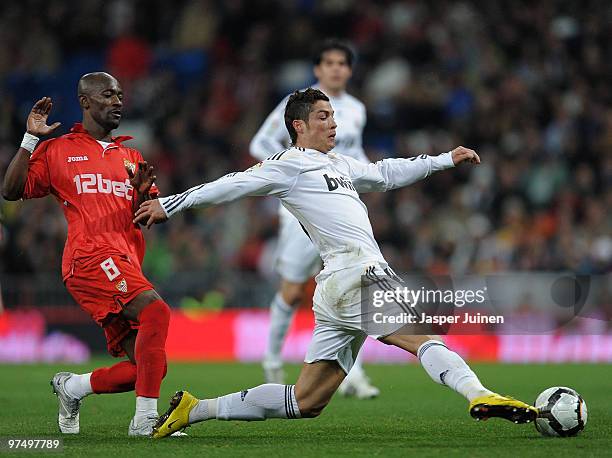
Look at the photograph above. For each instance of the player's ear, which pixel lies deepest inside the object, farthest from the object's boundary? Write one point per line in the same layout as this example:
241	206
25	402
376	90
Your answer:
83	101
299	125
317	71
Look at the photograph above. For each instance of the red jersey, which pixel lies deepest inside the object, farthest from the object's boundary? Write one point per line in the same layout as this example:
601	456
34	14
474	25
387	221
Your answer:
92	185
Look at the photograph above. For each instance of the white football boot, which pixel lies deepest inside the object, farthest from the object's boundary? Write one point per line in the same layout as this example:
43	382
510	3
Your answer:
68	416
142	426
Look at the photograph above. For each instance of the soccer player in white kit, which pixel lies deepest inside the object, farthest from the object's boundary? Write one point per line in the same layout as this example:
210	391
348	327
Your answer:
321	190
297	257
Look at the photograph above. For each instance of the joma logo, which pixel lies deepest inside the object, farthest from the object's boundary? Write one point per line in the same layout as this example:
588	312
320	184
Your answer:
77	158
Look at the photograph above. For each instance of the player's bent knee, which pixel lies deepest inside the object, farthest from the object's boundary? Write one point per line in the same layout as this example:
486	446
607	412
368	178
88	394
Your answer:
159	309
312	406
311	410
134	308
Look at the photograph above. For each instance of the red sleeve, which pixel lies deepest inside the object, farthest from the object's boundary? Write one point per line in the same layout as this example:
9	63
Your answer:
38	183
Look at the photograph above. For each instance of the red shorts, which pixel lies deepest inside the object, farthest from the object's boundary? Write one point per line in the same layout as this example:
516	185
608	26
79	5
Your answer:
102	286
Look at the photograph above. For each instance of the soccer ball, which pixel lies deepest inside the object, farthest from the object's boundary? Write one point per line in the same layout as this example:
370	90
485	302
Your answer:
562	412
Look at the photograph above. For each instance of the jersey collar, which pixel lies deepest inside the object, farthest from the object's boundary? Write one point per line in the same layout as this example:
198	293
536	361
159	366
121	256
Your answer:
79	129
310	150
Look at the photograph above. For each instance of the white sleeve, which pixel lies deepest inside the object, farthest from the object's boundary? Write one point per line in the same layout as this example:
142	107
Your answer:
395	173
272	136
273	177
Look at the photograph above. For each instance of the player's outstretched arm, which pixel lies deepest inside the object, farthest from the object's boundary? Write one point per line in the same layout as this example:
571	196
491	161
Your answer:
36	127
395	173
269	178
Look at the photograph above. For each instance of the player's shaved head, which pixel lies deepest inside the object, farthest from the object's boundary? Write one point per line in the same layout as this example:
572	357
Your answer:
93	81
101	100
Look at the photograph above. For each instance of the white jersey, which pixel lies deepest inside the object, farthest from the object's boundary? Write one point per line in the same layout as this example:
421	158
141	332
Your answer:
322	192
349	114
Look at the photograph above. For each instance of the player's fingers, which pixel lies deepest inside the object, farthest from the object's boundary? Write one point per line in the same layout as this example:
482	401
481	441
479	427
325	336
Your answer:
141	210
44	107
140	217
54	126
39	103
48	106
150	222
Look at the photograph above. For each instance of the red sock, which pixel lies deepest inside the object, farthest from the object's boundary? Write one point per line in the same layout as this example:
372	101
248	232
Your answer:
150	348
115	379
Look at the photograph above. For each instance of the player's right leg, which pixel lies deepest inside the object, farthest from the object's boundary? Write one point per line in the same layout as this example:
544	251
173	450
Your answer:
314	389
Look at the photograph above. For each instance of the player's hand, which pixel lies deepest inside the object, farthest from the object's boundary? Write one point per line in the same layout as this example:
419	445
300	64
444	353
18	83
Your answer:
462	154
37	119
150	213
143	179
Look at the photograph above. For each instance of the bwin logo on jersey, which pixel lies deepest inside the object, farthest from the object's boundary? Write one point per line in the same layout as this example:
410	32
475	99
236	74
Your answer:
333	183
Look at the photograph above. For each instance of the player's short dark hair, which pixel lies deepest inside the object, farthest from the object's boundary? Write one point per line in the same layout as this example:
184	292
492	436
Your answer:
299	106
333	44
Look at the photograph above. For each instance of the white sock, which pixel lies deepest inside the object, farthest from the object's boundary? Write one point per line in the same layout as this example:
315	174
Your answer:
281	315
264	401
145	407
448	368
79	386
205	409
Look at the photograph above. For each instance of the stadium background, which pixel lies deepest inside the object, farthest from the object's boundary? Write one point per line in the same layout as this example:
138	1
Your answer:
526	84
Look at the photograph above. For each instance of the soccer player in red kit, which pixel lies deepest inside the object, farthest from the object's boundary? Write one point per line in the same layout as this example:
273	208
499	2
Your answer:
99	182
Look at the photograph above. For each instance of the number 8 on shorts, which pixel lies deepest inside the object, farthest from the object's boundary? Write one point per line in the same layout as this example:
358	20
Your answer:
110	269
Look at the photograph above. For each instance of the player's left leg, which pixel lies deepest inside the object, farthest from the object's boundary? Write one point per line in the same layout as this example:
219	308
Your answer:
72	388
331	354
153	316
314	389
448	368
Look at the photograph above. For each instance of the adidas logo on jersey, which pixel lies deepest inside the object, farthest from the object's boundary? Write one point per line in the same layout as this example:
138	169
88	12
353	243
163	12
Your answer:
77	158
333	183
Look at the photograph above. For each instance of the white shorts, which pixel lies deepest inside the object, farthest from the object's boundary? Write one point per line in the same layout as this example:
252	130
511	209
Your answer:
335	344
341	323
297	257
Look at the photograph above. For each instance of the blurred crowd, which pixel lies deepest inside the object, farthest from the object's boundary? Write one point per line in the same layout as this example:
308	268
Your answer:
526	84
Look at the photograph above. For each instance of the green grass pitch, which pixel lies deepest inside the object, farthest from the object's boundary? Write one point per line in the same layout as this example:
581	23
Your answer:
413	416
